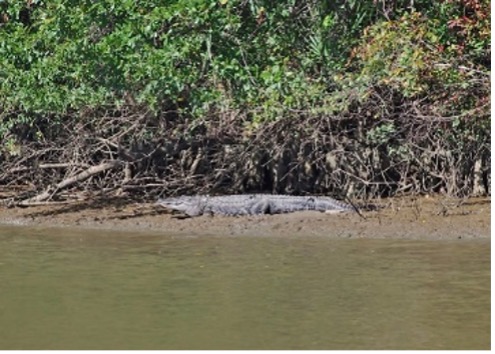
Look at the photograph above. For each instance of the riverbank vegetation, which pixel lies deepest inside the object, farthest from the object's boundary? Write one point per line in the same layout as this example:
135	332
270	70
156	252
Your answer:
357	98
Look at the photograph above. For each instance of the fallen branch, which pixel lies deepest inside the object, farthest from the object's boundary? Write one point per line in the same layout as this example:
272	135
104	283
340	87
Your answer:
27	203
46	166
50	191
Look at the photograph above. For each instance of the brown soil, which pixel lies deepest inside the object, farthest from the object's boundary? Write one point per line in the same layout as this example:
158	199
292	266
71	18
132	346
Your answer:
413	218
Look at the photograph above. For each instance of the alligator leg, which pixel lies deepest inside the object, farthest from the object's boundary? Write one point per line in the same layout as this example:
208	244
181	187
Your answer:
261	206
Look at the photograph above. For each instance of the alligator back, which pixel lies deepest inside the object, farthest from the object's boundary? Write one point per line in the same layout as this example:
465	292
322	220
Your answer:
252	204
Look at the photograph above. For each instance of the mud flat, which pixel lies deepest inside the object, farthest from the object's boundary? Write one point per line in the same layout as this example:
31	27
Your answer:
405	218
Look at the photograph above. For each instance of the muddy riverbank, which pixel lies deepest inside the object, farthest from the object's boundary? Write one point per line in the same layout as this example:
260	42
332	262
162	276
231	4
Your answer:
406	218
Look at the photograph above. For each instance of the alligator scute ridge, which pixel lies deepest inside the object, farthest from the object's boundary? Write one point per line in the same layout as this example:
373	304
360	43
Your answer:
252	204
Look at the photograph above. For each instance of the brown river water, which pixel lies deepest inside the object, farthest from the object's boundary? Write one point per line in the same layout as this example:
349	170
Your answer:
63	289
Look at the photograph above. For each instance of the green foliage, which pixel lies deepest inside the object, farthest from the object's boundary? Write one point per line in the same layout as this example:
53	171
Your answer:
195	57
420	56
403	55
381	134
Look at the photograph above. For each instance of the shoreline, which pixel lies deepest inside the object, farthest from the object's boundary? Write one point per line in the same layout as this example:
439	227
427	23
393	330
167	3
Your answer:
401	218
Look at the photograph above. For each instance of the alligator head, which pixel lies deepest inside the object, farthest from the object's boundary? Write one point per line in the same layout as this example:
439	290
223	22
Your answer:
192	206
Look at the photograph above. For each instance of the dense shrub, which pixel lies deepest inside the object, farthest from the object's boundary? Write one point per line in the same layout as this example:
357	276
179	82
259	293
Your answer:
194	65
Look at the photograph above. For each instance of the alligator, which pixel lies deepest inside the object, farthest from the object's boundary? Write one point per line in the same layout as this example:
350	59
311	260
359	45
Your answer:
251	204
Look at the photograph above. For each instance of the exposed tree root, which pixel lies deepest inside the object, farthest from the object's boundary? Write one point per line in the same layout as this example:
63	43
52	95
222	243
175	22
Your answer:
367	152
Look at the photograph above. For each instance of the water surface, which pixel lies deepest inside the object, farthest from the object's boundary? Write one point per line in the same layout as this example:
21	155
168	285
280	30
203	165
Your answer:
64	289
